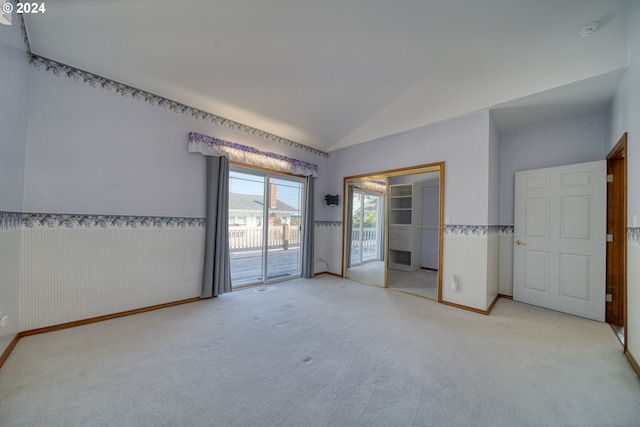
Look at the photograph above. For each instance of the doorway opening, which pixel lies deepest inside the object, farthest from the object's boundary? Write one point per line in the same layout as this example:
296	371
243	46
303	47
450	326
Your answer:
616	305
265	226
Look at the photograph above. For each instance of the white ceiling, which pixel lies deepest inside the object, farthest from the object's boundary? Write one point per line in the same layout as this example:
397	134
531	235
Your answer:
333	73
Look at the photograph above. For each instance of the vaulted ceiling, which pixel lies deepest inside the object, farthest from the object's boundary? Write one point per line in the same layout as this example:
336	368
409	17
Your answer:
333	73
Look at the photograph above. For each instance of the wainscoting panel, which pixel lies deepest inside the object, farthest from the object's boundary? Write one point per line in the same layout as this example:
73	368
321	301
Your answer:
633	292
73	272
10	238
493	263
328	246
465	257
506	260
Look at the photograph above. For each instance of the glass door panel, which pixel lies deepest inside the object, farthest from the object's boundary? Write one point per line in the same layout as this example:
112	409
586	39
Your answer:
246	228
265	218
284	212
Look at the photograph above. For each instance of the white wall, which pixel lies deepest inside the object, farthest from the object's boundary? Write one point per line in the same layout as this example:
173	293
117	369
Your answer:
624	117
14	66
463	145
93	152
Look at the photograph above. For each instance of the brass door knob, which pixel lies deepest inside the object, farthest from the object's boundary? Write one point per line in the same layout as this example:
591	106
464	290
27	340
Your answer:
519	243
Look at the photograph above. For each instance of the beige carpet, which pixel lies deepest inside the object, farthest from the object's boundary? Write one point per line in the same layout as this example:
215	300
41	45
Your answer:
421	282
323	352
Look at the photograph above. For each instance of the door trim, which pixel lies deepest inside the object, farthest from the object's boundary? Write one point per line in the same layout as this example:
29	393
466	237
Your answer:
619	245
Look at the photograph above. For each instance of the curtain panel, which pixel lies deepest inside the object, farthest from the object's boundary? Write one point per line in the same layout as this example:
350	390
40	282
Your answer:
216	278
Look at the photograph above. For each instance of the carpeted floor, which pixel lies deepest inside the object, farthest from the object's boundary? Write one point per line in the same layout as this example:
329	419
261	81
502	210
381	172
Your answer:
323	352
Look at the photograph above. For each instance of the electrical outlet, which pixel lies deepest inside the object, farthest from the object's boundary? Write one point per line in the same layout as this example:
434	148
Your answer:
3	321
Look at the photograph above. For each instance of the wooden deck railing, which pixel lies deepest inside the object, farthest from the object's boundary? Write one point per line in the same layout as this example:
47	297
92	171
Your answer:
250	238
369	238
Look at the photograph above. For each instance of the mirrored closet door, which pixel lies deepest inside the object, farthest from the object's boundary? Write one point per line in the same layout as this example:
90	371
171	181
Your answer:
364	240
393	229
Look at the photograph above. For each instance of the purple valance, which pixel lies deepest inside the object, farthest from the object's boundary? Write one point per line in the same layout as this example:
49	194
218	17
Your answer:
210	146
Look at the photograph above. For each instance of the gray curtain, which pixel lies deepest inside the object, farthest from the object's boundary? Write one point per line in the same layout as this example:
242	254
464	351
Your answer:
217	273
349	201
308	239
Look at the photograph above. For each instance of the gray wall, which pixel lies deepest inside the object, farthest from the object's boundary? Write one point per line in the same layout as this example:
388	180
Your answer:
554	144
461	143
93	151
430	232
14	65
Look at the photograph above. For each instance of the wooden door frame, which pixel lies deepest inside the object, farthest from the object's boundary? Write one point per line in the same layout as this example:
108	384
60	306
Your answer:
384	175
619	245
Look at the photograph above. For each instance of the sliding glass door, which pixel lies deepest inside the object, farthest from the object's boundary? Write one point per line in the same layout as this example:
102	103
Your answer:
265	218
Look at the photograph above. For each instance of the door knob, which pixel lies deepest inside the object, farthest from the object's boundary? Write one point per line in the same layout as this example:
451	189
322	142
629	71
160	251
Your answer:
519	243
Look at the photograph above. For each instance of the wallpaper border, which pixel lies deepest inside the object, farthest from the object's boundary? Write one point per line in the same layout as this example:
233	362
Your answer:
328	223
95	80
13	220
10	220
471	230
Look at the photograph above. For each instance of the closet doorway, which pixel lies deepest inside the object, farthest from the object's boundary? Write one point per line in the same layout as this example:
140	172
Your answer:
410	221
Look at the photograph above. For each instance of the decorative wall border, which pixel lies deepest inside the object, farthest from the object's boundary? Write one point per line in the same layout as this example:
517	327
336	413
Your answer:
506	229
328	223
95	80
10	220
468	230
633	236
450	229
31	220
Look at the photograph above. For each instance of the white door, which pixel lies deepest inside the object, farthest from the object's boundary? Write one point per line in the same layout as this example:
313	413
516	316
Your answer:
559	257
